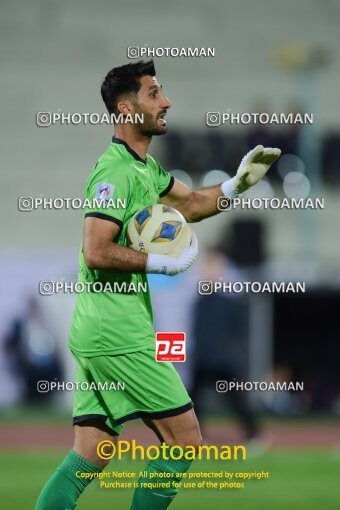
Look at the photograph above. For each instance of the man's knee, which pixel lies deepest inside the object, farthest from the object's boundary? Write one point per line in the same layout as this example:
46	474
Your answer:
87	443
185	438
188	435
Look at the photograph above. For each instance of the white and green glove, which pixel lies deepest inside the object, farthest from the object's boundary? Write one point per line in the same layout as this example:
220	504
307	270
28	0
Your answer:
254	165
163	264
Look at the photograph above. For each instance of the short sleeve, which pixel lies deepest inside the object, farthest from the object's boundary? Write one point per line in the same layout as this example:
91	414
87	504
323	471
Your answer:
107	196
165	181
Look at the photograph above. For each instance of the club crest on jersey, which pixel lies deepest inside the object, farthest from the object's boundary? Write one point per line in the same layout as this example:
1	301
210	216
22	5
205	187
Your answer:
104	191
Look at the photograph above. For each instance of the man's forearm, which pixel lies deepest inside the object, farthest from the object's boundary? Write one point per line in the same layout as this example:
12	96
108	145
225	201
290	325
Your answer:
201	204
114	257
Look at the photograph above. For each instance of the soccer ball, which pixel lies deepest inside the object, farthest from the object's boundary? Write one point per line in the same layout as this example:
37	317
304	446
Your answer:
159	229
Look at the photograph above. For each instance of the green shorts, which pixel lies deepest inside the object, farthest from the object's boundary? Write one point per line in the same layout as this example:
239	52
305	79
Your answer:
120	388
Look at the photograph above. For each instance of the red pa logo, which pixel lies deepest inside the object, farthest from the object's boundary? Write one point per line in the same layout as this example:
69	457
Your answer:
170	346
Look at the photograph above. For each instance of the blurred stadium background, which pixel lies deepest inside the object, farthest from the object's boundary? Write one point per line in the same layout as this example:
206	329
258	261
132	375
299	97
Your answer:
270	57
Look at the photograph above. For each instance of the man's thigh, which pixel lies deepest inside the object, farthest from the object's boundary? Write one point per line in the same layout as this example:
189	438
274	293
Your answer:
182	430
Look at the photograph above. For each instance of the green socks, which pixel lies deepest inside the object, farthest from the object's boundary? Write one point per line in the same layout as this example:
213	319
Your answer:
159	498
64	488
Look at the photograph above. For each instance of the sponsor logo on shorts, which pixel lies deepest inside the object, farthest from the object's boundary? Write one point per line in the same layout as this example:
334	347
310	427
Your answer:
170	346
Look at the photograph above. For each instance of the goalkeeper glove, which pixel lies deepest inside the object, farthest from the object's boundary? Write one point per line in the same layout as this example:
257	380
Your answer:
163	264
253	167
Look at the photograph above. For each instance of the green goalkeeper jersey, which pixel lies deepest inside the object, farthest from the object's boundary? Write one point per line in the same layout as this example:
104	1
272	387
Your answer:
119	319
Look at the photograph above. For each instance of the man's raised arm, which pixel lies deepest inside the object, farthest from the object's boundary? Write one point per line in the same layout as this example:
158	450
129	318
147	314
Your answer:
202	203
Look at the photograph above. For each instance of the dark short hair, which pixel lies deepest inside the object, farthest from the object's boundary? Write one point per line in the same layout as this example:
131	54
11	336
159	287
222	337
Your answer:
124	80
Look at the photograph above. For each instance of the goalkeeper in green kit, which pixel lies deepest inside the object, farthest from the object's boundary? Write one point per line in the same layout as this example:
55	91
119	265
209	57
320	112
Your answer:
112	335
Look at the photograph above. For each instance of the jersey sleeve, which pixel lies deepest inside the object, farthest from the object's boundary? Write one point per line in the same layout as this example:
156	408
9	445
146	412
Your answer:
165	181
107	196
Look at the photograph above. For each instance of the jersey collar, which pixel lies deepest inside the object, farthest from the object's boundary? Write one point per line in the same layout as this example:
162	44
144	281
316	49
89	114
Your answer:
128	148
